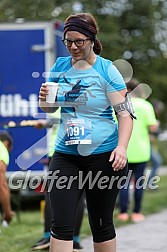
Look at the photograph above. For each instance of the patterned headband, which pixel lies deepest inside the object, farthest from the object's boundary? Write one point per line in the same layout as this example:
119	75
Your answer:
80	26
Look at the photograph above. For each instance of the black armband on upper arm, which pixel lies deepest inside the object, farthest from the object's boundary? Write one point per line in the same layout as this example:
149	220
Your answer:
125	106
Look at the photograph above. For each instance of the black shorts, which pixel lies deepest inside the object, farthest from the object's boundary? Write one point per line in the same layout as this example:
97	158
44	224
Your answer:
70	176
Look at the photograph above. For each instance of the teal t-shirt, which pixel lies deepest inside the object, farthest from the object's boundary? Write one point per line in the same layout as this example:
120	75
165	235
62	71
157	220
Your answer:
82	95
4	155
139	145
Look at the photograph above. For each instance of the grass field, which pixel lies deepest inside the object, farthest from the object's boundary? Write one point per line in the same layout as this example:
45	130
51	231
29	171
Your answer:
19	237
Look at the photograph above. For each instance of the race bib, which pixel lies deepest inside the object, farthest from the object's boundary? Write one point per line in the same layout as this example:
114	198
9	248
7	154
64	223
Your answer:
78	131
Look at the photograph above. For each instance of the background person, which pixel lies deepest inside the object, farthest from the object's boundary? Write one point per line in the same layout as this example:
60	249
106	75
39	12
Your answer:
6	142
156	159
138	151
88	139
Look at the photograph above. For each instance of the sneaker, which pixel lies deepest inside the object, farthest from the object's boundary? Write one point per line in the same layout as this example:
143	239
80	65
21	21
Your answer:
77	247
123	217
137	217
44	243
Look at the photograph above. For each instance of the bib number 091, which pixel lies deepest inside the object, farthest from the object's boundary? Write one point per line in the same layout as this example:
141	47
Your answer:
75	131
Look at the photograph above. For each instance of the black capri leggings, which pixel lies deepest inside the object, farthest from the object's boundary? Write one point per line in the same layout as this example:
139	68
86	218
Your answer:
70	176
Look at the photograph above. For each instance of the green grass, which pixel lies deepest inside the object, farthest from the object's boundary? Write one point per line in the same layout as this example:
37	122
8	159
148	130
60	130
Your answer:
19	237
156	200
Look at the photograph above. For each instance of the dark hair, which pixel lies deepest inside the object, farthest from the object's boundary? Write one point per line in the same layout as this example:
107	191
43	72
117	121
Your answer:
84	23
6	136
134	85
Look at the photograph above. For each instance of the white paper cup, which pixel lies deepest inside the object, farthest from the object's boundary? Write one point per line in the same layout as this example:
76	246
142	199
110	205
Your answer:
53	88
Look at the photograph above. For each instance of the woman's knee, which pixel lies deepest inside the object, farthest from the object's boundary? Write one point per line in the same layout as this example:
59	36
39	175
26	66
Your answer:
62	232
103	233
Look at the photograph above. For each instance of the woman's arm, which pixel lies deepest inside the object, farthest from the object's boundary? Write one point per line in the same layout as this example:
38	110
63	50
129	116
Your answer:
5	194
125	126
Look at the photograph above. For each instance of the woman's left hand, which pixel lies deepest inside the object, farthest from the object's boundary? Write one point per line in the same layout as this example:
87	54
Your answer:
119	158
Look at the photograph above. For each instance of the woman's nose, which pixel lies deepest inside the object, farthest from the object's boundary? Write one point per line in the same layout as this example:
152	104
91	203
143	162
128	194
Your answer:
73	46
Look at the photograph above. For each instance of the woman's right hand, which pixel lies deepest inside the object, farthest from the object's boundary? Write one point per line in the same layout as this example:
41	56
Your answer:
43	92
45	106
8	216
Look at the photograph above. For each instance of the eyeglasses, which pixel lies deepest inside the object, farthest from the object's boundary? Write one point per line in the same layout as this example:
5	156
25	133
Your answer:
77	42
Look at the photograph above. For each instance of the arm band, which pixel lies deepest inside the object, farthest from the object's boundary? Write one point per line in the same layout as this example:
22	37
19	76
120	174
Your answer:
125	106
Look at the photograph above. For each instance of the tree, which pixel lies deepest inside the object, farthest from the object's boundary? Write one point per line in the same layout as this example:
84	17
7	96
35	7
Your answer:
133	30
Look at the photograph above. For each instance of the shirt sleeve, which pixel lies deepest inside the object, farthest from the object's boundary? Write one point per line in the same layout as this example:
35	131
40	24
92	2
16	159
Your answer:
56	70
151	118
4	155
53	75
115	81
